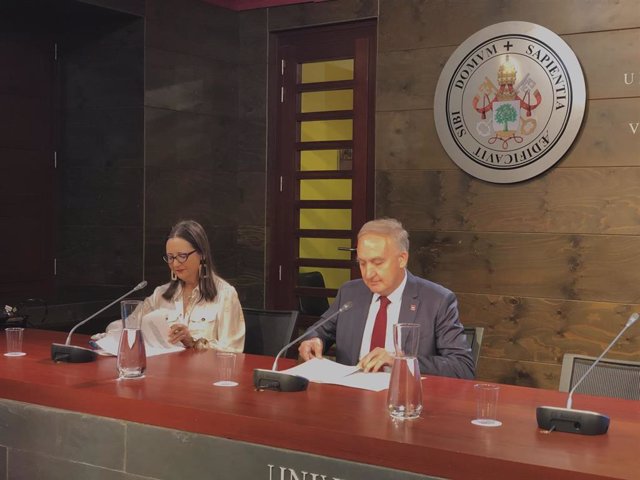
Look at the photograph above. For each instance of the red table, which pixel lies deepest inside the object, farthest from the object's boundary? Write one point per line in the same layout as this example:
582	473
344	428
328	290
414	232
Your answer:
334	421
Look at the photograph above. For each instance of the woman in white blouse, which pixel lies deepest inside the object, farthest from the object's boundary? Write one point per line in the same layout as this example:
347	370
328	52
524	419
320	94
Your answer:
202	310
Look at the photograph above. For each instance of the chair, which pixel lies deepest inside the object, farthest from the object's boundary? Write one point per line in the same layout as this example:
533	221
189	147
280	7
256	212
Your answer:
267	331
473	336
314	306
610	378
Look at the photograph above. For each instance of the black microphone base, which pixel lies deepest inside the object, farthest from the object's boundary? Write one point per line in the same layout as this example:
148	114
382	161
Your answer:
281	382
568	420
61	352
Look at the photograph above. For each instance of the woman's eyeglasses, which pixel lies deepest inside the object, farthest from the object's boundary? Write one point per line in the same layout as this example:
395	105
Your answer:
180	258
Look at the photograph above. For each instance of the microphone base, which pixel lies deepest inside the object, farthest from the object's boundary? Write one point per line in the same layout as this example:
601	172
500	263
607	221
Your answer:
569	420
61	352
280	382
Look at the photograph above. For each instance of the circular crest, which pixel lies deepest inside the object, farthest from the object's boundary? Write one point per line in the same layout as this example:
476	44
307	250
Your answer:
509	102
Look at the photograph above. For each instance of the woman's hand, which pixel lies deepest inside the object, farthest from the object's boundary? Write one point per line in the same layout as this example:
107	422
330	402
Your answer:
180	333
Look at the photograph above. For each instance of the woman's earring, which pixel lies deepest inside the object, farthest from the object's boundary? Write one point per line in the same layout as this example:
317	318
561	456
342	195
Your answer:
174	277
203	269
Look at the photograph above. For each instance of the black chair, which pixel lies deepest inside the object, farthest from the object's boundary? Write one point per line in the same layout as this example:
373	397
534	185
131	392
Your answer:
314	306
609	378
473	336
267	331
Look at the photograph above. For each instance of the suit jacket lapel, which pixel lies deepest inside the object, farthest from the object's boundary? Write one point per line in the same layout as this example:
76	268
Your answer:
410	301
358	316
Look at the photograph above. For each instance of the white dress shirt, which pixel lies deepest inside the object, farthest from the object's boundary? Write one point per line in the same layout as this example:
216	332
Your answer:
393	314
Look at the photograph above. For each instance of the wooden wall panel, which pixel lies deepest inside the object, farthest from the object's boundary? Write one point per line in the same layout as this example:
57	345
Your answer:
413	24
542	330
605	139
524	374
407	79
604	57
307	14
547	265
407	139
575	200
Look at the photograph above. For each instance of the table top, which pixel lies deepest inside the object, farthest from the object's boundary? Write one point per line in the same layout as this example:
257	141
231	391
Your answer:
334	421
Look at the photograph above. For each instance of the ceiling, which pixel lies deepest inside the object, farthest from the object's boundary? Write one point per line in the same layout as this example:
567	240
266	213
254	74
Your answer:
251	4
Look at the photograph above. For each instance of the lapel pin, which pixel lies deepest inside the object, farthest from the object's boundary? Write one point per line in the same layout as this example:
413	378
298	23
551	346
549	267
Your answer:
412	307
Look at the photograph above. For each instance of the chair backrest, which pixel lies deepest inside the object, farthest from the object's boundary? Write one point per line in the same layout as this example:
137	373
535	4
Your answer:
309	305
267	331
609	378
473	336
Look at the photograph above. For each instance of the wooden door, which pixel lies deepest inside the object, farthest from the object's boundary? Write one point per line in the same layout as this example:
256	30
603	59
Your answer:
321	160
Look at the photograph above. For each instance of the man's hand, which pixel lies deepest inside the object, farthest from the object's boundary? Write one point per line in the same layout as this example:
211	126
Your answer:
375	360
311	349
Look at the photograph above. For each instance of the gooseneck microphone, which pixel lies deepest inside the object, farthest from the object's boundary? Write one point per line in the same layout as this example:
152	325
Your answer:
284	382
65	352
584	422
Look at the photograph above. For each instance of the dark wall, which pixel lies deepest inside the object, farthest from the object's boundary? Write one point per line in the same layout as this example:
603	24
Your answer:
192	166
100	158
97	130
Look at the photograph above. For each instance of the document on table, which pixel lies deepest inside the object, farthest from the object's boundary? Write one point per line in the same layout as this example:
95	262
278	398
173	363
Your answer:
323	370
154	332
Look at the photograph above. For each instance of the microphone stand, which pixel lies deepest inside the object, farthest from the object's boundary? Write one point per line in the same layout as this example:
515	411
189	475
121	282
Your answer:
579	421
65	352
284	382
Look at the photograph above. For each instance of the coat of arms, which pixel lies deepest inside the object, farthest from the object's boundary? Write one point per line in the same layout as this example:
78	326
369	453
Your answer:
509	102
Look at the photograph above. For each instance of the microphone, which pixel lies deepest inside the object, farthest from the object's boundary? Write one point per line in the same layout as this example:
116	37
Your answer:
584	422
284	382
65	352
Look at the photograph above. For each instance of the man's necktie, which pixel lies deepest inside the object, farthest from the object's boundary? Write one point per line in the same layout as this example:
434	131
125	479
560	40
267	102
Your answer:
379	334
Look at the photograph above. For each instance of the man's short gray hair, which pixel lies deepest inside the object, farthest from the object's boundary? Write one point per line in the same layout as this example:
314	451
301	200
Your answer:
388	227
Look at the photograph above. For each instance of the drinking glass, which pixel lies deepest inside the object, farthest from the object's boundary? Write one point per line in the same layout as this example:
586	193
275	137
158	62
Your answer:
225	367
486	405
14	342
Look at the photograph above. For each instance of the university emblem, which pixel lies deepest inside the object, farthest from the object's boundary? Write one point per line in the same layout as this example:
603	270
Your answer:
509	102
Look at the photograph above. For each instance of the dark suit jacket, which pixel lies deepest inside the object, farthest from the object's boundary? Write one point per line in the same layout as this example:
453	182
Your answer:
443	348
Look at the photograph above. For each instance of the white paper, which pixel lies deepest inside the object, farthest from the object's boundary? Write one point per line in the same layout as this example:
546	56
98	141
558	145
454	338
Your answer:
154	332
323	370
375	381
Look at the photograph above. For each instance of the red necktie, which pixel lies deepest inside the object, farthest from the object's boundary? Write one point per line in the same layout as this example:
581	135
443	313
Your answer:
379	334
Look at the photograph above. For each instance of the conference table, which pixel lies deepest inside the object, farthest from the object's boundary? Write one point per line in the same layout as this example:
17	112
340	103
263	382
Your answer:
335	428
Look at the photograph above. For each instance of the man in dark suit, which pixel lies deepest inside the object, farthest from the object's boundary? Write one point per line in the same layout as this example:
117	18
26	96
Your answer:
388	294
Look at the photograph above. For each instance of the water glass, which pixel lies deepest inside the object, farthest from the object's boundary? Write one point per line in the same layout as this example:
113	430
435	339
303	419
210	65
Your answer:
225	367
14	342
486	405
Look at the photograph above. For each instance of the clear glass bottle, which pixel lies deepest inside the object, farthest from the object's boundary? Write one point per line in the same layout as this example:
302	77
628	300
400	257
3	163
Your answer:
132	357
404	398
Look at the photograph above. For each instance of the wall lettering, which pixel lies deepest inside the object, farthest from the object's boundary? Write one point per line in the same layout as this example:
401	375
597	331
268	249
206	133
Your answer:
287	473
